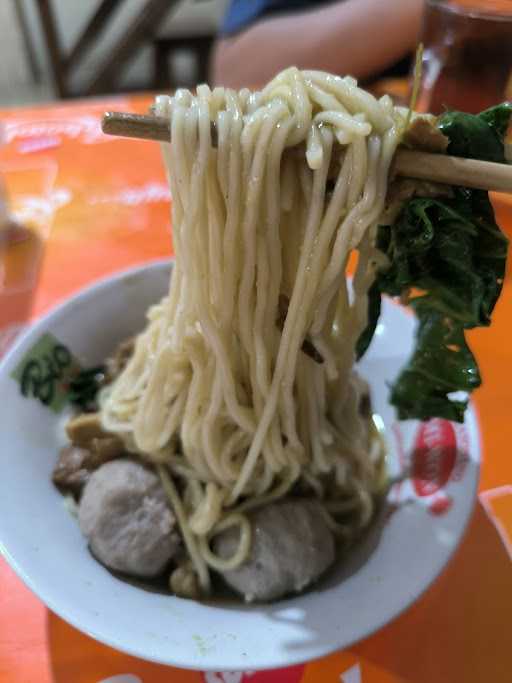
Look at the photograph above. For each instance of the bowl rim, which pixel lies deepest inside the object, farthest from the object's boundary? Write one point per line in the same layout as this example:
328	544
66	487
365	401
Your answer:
294	657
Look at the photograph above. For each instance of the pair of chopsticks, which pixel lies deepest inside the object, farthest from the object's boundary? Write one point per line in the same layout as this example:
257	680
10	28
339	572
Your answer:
439	168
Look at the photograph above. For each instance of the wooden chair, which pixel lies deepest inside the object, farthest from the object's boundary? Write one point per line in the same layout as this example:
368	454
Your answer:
142	30
192	28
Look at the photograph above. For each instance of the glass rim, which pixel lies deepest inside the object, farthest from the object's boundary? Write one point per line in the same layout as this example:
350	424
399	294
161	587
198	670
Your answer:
467	11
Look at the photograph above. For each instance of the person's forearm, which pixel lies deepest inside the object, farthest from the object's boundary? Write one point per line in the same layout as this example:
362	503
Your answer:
359	37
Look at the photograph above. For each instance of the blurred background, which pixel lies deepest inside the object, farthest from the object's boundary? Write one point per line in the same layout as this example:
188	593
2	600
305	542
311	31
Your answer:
65	48
53	49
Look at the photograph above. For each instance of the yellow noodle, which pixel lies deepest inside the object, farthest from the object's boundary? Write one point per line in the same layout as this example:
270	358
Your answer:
219	389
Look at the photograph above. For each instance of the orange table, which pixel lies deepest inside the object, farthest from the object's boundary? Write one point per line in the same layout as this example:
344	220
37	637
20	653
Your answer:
95	205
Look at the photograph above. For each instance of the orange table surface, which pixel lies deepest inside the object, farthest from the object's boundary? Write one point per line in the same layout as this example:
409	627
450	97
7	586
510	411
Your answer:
95	205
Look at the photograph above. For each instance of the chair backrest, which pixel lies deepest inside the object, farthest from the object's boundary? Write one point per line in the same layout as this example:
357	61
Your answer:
194	17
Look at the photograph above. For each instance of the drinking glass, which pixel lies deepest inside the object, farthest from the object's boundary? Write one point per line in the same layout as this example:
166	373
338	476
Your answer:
24	223
467	60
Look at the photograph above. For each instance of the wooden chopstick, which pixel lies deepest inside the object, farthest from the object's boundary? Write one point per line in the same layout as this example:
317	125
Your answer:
439	168
136	126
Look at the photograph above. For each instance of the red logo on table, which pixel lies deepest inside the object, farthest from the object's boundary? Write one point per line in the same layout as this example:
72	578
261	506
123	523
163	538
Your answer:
434	457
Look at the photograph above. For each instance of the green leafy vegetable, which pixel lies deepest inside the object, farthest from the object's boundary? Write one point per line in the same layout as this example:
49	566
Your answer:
447	258
374	307
442	363
84	387
470	135
498	118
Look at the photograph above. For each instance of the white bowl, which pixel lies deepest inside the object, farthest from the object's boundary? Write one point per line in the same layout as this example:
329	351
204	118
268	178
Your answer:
382	576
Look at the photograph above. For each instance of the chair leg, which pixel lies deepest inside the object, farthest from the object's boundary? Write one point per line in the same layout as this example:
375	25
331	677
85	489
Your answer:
53	46
203	59
161	74
140	31
35	70
94	27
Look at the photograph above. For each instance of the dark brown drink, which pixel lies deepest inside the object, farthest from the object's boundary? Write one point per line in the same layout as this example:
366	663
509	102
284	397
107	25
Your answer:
467	62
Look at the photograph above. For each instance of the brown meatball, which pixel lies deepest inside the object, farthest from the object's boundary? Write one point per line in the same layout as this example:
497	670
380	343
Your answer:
125	516
291	547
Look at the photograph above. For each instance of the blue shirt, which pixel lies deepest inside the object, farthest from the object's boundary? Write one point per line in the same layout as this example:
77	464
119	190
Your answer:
242	13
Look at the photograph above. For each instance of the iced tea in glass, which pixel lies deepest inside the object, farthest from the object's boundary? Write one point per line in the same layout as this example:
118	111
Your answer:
467	62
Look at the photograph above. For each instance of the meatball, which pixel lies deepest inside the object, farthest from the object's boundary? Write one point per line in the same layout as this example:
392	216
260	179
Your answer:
125	517
291	547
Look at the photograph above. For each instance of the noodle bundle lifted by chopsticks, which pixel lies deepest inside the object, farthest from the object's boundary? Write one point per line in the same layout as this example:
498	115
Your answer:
242	384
